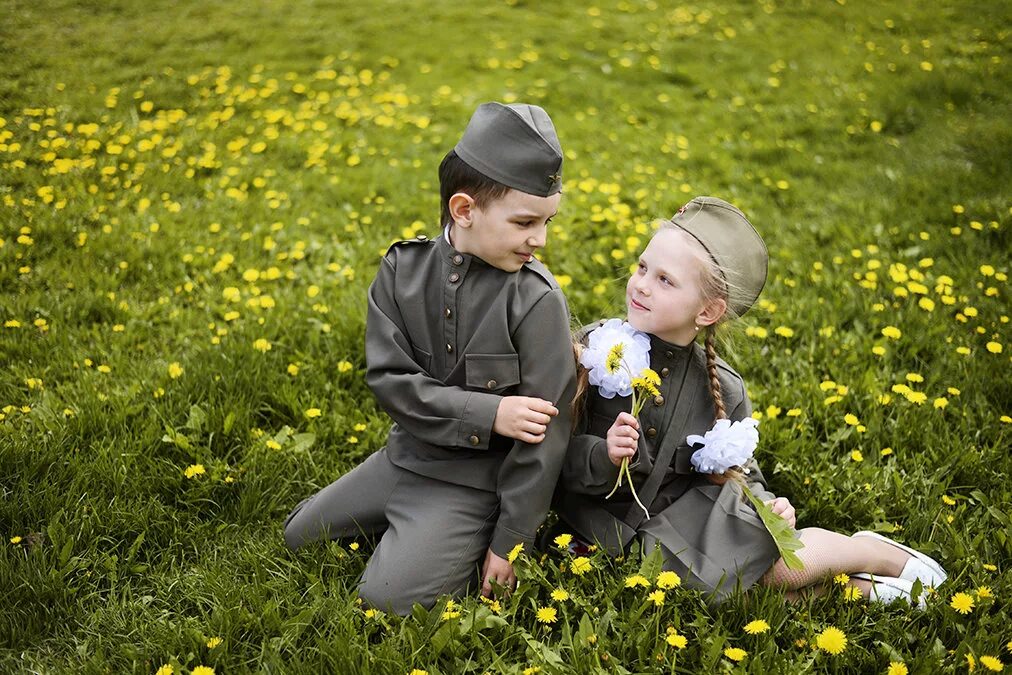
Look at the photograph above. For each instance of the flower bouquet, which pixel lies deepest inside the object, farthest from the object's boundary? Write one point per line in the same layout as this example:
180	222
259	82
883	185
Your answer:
731	444
615	353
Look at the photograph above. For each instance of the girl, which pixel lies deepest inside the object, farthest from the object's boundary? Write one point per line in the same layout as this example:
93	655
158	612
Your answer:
703	266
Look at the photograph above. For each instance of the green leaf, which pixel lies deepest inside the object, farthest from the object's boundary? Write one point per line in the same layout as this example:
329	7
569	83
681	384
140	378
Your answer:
783	534
302	442
652	563
196	419
229	422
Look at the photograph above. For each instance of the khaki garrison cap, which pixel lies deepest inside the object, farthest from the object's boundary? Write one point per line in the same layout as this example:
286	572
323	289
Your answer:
515	145
734	245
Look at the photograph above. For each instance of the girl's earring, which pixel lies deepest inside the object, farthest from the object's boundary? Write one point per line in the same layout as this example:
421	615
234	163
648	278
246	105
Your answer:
697	329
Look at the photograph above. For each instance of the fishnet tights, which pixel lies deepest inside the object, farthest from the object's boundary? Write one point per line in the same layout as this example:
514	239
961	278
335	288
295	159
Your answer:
827	554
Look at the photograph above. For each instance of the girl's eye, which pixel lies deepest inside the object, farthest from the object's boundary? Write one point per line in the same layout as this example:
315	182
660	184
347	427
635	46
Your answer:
664	280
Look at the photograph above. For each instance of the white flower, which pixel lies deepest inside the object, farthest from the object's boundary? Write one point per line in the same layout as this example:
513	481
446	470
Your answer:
727	444
635	357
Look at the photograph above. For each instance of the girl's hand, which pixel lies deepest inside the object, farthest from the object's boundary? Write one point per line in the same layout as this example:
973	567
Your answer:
523	418
782	507
622	437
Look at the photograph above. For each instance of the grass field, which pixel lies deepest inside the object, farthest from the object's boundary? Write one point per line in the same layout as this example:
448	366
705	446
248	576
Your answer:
194	198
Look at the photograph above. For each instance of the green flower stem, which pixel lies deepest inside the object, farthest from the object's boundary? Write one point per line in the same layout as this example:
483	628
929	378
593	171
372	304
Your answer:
623	469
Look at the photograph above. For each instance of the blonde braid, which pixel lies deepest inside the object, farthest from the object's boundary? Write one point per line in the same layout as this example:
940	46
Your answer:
733	473
582	387
711	368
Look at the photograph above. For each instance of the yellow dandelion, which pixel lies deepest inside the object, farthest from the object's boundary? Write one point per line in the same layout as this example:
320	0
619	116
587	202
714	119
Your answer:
668	579
984	592
897	668
514	552
994	347
677	641
563	540
857	456
213	642
735	654
852	593
353	546
560	595
892	332
851	419
418	671
175	370
547	615
614	359
962	603
832	640
15	540
344	366
202	670
992	663
637	580
165	669
262	345
580	566
756	627
194	470
312	413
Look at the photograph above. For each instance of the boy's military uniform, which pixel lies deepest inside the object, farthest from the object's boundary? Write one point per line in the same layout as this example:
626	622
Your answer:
447	336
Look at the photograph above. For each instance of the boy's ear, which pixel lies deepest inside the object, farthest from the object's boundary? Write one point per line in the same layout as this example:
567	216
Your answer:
461	207
711	312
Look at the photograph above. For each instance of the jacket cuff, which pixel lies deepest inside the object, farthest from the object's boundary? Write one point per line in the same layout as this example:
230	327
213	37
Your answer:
477	420
505	539
600	465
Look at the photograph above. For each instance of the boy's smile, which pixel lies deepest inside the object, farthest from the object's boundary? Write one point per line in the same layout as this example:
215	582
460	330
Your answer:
507	232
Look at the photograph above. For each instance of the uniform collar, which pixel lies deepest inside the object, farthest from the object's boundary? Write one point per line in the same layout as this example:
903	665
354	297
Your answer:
666	349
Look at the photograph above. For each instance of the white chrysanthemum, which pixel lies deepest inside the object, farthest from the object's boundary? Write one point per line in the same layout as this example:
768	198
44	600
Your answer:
726	445
635	357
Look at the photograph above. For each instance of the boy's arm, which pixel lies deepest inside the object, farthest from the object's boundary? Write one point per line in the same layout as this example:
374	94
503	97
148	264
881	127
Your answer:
425	407
754	479
529	473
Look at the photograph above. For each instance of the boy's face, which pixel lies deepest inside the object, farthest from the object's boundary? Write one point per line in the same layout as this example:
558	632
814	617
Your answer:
508	231
664	295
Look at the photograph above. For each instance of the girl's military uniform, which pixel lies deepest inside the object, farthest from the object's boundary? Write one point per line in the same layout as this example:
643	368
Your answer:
709	535
447	336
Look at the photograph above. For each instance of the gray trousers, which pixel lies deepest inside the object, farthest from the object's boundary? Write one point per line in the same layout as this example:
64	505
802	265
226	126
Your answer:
434	534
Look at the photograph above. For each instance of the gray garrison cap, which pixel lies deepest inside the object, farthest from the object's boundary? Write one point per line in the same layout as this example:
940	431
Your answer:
732	242
515	145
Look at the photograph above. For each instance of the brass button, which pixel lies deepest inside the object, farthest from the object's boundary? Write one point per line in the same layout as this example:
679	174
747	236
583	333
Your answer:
492	384
421	237
454	277
457	259
449	348
651	432
449	313
474	440
664	371
670	354
658	400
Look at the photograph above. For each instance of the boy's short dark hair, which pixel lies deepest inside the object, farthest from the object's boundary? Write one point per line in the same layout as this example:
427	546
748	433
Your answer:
455	175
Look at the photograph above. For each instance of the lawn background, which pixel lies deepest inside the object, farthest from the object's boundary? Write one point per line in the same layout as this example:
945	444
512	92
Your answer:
185	184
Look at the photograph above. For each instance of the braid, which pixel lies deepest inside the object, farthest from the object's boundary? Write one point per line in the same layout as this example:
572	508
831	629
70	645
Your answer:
734	474
711	368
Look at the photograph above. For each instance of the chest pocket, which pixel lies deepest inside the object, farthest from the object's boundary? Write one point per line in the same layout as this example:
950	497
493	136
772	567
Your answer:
492	372
423	359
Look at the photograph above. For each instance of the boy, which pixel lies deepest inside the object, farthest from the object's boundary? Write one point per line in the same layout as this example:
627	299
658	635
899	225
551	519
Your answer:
454	325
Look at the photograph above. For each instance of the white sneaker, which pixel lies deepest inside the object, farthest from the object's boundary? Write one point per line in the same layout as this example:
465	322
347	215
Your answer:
919	566
890	589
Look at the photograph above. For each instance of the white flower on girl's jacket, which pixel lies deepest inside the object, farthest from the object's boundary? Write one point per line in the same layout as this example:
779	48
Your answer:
726	445
634	353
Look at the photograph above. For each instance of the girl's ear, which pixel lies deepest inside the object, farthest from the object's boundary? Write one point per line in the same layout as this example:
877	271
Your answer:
712	312
461	206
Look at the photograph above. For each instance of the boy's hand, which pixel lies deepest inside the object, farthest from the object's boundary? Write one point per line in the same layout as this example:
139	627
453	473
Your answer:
524	418
783	508
498	570
622	437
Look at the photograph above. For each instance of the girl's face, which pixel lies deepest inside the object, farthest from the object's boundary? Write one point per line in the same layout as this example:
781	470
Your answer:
664	296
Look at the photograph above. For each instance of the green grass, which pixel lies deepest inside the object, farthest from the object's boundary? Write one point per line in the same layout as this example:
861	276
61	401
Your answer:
868	142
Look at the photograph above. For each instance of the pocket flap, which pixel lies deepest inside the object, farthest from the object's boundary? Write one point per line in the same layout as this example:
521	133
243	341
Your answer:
492	372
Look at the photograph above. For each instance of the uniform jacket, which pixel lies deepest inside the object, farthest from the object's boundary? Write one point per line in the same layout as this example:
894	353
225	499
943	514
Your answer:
683	407
447	336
